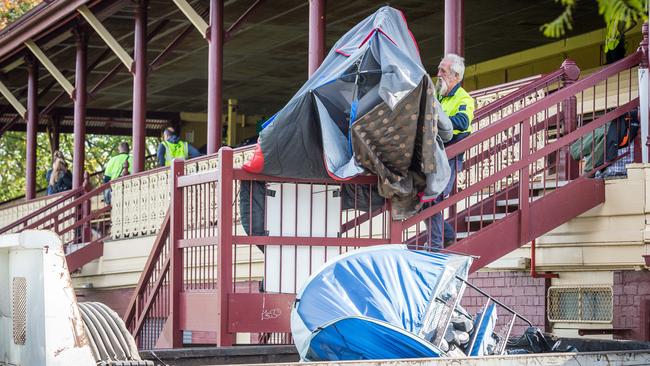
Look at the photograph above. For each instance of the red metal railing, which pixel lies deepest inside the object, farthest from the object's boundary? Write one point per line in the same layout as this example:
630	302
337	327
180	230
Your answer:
507	98
80	217
149	308
520	162
212	278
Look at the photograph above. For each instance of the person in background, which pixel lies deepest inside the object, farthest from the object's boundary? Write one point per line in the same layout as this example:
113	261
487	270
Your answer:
115	167
59	178
458	105
173	147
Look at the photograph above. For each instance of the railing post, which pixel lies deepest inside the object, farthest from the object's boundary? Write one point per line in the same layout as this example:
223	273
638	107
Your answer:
176	254
524	182
86	235
395	226
644	96
224	242
568	168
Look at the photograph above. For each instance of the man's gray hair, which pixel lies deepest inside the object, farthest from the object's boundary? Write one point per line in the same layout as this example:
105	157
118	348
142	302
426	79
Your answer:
457	64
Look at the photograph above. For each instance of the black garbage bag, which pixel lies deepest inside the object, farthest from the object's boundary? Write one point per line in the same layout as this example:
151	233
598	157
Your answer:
252	208
534	341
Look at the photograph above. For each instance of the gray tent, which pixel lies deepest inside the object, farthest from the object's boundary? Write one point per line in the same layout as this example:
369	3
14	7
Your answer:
370	107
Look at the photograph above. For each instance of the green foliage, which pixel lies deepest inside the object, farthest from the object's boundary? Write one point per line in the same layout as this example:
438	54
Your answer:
619	16
11	10
559	26
13	145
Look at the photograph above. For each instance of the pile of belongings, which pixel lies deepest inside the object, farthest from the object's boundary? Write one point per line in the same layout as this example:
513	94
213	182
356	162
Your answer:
390	302
369	108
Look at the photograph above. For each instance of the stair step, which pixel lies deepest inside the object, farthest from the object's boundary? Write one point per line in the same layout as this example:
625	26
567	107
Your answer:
512	202
464	234
548	184
486	217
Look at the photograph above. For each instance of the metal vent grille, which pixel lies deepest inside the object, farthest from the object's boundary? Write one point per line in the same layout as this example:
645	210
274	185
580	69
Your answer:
580	304
19	309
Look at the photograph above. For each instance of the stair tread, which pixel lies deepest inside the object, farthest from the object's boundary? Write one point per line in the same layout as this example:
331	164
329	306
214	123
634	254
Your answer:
548	184
464	234
513	201
485	217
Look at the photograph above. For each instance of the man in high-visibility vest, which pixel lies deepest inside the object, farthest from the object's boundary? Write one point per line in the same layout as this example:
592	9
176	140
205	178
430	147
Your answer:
459	107
172	147
115	167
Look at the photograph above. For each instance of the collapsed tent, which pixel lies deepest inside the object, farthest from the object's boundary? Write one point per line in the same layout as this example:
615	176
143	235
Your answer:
370	107
382	302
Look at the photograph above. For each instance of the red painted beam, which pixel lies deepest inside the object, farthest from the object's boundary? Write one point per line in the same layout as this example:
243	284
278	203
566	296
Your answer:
84	255
547	213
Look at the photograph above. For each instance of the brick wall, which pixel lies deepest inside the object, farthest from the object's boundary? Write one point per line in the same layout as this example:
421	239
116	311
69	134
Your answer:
632	303
516	290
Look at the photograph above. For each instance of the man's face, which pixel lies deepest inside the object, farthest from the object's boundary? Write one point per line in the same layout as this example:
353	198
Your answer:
447	79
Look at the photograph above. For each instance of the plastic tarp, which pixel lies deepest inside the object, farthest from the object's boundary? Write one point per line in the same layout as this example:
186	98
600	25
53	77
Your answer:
374	303
370	107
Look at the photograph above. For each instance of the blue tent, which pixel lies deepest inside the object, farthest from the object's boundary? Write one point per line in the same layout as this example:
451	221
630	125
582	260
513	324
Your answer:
370	107
382	302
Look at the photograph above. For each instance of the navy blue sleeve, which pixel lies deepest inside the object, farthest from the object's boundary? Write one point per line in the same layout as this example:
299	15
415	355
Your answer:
161	155
460	121
192	151
66	180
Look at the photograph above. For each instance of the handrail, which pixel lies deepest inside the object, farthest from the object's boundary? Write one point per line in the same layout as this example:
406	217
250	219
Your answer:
475	188
523	91
70	205
553	99
2	204
509	85
43	209
138	309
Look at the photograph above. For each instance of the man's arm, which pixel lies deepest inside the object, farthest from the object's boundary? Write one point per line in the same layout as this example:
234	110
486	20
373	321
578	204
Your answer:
445	127
161	155
462	119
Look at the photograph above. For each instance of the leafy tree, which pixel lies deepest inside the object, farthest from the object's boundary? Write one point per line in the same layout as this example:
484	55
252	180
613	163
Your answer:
619	16
10	10
12	166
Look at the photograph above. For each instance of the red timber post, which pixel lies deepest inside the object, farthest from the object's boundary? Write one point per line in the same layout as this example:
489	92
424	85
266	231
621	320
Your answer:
316	34
215	75
567	167
524	182
139	86
395	228
86	234
32	124
176	255
224	243
644	107
454	27
80	96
